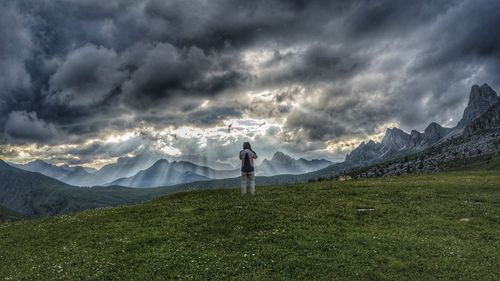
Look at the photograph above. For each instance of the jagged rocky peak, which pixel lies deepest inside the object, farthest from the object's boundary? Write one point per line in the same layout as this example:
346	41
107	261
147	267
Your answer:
415	137
435	128
281	157
415	133
488	121
435	132
160	163
481	98
364	153
395	138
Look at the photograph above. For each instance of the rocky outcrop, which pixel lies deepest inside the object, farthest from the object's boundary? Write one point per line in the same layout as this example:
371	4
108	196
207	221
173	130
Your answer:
415	138
433	134
365	153
488	121
480	100
452	154
480	139
396	142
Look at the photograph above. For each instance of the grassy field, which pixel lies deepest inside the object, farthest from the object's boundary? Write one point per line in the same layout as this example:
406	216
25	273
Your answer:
433	227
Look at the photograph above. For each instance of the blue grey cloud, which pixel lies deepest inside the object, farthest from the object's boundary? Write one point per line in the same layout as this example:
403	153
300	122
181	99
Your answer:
76	69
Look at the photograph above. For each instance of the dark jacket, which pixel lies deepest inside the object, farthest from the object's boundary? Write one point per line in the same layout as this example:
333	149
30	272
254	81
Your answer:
247	157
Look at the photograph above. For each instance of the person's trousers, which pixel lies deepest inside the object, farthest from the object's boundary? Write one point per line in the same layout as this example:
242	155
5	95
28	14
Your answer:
247	178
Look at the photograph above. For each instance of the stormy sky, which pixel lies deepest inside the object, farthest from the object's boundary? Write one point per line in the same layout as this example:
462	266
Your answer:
85	82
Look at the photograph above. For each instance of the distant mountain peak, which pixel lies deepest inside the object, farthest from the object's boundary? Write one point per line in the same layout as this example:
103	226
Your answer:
395	131
433	127
395	138
282	163
281	157
414	134
160	162
40	162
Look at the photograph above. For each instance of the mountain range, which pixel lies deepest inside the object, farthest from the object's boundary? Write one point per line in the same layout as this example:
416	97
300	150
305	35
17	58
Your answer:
164	173
397	142
281	163
144	171
437	148
32	194
53	171
476	136
84	176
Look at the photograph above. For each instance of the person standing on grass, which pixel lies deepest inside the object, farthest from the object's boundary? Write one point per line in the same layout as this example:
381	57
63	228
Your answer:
247	157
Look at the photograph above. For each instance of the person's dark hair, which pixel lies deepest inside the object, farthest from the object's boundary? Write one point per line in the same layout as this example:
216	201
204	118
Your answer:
246	145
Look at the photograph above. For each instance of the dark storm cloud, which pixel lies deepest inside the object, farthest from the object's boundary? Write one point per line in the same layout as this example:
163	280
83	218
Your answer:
166	72
211	115
16	47
462	49
103	150
336	114
22	126
87	77
318	63
455	50
72	70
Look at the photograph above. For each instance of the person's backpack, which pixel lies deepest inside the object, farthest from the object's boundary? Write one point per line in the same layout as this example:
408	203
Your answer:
247	166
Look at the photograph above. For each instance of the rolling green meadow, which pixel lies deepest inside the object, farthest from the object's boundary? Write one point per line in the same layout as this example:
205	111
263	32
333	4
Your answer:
430	227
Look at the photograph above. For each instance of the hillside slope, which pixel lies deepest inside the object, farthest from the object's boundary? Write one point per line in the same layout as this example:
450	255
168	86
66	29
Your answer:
35	195
8	215
443	226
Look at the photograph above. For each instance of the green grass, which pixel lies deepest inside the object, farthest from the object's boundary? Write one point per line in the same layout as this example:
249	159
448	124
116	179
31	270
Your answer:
433	227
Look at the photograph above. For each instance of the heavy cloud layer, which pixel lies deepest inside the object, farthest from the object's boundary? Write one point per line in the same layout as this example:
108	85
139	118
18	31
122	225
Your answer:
72	72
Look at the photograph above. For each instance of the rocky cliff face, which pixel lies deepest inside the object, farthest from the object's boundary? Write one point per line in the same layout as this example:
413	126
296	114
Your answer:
480	140
395	139
433	134
397	142
415	138
365	153
480	100
452	154
488	121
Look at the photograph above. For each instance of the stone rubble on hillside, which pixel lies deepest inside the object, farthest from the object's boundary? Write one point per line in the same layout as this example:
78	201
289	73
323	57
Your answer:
396	142
440	157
